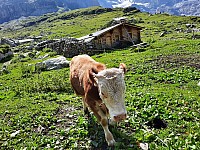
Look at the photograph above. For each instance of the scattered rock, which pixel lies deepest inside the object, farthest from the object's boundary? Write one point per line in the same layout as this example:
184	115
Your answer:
188	31
30	47
53	64
28	54
163	33
178	29
6	55
21	56
141	45
7	63
42	57
10	42
14	134
143	146
40	129
196	36
190	25
4	70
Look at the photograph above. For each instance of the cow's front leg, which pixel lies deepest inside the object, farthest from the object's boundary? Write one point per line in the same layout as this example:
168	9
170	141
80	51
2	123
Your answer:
103	112
100	113
108	135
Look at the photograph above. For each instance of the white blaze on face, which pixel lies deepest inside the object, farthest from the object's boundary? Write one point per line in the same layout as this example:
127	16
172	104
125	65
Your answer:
111	87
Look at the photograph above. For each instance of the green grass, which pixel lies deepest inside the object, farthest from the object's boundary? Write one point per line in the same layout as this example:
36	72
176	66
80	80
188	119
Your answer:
161	83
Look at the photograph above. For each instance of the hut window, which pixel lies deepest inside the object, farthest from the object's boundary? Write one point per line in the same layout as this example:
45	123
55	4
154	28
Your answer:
117	38
103	40
130	34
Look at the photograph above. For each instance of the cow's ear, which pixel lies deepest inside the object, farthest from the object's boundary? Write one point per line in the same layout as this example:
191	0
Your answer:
122	66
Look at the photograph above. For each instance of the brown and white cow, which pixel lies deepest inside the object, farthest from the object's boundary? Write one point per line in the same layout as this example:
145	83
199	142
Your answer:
102	90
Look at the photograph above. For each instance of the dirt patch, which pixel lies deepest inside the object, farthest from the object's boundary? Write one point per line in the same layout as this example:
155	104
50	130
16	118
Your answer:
66	116
177	60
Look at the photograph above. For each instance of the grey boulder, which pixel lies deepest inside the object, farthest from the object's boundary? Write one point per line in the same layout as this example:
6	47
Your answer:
53	64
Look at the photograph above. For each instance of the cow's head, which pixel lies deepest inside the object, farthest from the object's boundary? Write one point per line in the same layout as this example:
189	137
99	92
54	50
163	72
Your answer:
112	88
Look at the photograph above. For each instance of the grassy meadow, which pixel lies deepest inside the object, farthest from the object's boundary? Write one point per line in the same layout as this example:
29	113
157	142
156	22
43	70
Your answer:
39	110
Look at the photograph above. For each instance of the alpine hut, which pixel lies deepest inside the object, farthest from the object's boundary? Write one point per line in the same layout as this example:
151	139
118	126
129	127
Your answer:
117	36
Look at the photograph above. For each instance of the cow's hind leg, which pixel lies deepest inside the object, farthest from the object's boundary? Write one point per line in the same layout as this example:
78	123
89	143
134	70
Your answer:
85	107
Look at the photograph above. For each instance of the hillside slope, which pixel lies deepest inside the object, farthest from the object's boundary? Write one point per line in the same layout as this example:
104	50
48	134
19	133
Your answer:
39	110
81	22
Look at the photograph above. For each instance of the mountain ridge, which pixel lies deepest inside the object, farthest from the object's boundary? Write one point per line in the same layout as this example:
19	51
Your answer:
174	7
14	9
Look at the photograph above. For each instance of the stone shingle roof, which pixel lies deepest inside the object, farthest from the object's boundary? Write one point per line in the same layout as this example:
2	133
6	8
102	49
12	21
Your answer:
91	36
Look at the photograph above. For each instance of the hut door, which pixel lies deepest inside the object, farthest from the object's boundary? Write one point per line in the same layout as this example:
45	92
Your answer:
108	41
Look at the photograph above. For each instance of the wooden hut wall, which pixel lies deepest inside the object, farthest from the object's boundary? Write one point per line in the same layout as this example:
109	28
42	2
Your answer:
108	42
125	32
136	35
117	35
104	41
97	43
111	38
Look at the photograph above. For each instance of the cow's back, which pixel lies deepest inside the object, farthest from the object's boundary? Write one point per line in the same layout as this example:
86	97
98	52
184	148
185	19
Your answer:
81	67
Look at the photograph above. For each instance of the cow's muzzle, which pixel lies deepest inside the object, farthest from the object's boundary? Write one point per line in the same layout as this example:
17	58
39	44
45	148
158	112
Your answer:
120	117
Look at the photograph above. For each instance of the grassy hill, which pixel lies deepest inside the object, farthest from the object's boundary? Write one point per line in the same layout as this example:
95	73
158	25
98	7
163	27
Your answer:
39	110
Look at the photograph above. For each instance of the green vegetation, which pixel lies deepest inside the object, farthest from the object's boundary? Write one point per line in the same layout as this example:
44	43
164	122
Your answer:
4	49
39	110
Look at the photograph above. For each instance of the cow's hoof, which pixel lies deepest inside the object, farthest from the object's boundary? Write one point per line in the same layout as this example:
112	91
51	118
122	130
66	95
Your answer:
111	142
86	112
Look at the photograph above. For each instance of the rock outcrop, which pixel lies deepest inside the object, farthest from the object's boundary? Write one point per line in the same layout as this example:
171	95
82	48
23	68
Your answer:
6	55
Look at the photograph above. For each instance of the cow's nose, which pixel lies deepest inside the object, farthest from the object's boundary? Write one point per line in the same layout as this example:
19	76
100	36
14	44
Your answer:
120	117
